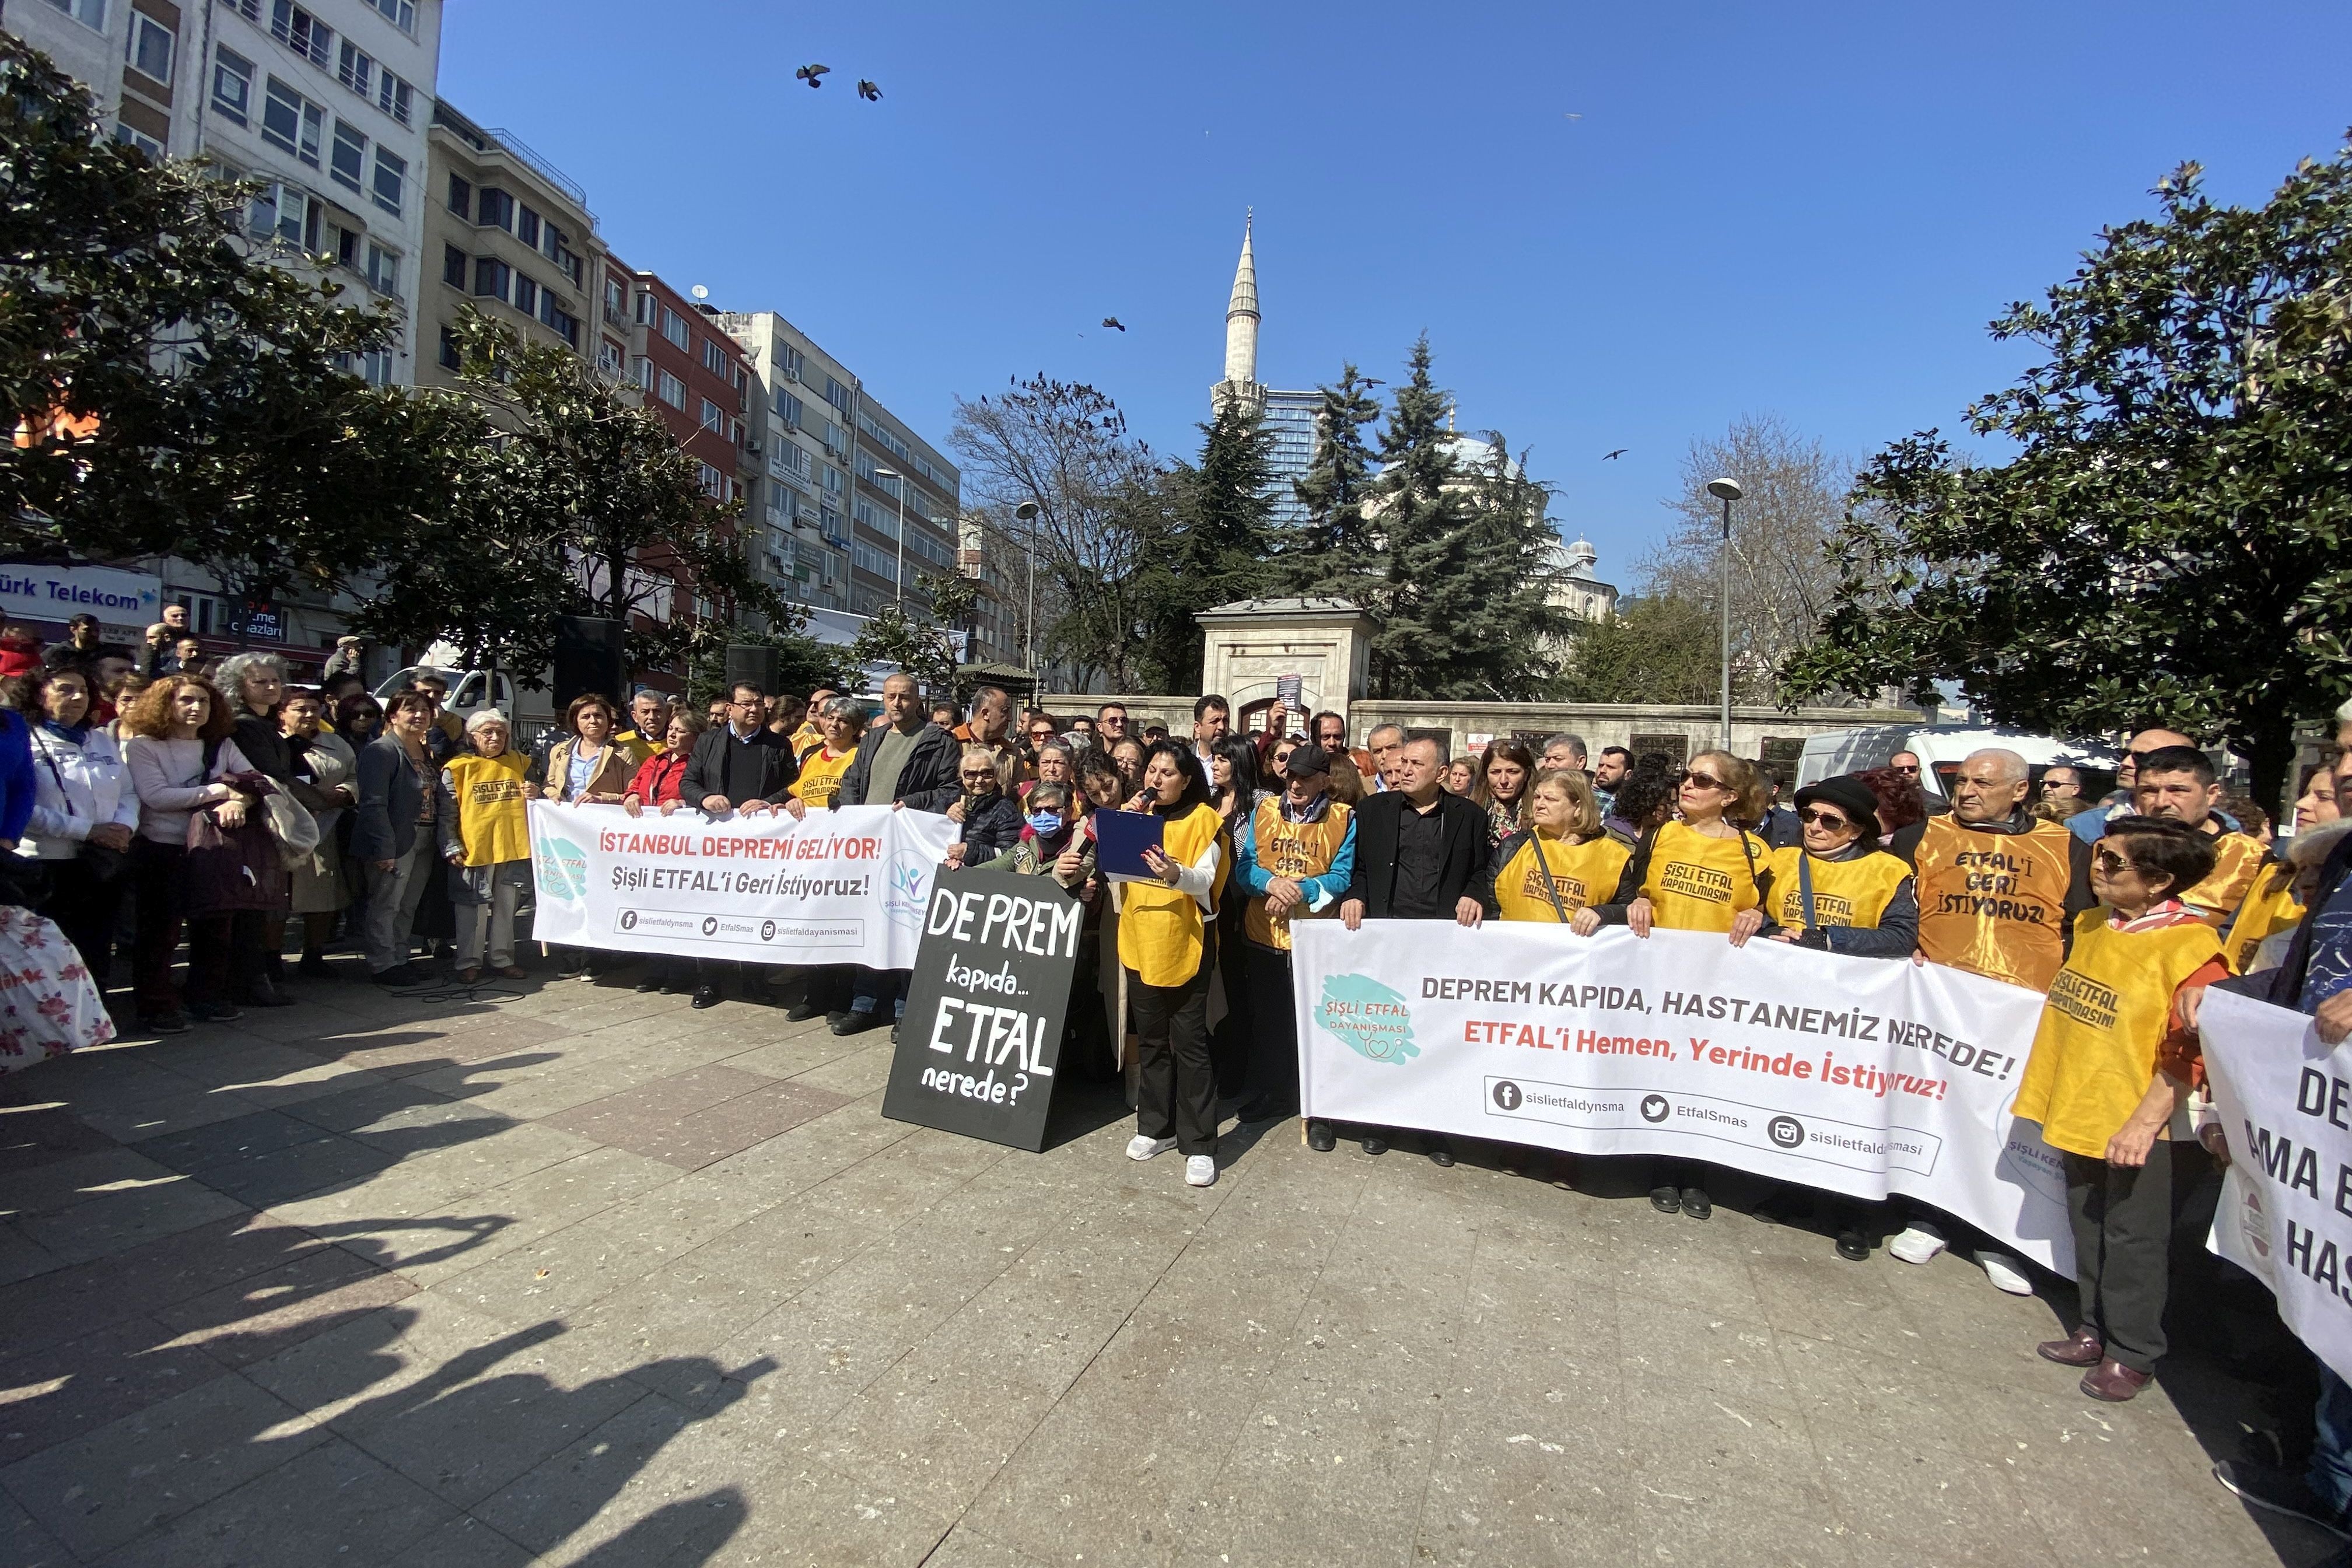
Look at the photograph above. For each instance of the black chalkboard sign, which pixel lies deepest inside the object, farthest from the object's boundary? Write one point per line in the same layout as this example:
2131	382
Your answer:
982	1032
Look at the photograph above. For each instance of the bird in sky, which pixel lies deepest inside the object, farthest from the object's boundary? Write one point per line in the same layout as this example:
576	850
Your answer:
810	74
868	91
1114	321
1611	457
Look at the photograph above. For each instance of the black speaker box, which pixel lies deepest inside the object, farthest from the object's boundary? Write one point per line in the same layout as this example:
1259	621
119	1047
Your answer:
588	659
753	662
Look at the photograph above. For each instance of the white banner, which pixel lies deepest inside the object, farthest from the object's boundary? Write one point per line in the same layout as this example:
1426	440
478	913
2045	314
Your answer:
117	598
1860	1075
835	887
2286	1217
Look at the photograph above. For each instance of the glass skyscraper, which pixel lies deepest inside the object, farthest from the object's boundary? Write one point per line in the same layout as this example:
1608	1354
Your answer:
1290	420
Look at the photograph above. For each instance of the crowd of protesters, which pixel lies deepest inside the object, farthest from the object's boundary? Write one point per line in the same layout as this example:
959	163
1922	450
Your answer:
152	802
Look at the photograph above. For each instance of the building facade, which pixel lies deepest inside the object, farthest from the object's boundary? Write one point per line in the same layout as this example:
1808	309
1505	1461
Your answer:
131	55
998	616
510	234
836	467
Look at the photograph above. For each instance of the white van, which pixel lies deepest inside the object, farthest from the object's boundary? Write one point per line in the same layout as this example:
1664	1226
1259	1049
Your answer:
1942	748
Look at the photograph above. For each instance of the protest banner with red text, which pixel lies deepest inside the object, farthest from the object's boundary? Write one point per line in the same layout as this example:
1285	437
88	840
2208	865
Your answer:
1863	1077
834	887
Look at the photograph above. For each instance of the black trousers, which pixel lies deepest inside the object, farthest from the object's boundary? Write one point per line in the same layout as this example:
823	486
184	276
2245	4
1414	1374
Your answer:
2122	1218
85	905
1176	1087
1274	1040
224	947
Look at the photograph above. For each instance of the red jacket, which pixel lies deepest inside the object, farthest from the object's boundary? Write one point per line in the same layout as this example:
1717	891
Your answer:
19	656
658	777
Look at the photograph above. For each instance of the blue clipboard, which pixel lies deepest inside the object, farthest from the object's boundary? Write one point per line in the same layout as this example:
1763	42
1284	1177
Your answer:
1121	840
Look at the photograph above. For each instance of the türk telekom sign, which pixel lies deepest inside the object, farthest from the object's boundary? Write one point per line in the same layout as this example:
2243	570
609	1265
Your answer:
40	593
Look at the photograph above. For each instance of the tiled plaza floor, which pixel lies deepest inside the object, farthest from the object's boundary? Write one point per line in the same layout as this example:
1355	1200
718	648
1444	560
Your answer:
583	1277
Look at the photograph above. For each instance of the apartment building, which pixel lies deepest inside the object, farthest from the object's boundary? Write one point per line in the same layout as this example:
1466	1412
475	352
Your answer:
835	465
996	617
129	54
510	234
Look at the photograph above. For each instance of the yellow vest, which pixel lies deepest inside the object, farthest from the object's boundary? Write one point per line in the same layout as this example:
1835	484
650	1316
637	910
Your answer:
491	821
807	735
1995	903
1580	874
1296	850
820	778
2268	908
1697	883
2237	861
636	748
2109	1008
1845	892
1159	934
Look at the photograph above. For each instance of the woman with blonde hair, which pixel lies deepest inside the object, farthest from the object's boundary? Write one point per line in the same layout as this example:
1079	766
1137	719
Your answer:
1704	872
1561	860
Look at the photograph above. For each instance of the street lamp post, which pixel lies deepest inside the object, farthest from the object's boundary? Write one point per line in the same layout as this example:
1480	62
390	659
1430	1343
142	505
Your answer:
882	473
1027	512
1725	491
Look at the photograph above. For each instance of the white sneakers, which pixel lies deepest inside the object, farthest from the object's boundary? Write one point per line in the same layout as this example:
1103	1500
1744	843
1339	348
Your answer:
1200	1170
1915	1244
2005	1273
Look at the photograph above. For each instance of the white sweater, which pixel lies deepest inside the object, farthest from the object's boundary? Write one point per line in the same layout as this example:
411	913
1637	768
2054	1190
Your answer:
74	789
169	779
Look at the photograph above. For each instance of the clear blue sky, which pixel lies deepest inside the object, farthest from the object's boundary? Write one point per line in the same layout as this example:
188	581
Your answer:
1809	210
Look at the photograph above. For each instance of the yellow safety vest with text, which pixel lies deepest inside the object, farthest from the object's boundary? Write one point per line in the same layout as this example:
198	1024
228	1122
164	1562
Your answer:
1295	850
492	822
1995	903
2109	1008
1582	874
1160	929
1845	892
2237	862
820	778
1698	883
2268	908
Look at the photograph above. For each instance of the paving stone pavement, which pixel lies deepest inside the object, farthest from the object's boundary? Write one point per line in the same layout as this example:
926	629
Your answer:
577	1276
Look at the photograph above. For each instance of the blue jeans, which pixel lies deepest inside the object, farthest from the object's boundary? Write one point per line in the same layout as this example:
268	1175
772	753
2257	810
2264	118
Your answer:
2330	1475
875	986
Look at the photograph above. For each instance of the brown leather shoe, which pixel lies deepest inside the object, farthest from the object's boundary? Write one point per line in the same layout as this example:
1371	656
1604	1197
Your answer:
2114	1383
2081	1348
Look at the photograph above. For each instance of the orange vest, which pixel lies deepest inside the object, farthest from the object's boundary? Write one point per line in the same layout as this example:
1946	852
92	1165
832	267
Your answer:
1995	903
1295	850
2237	861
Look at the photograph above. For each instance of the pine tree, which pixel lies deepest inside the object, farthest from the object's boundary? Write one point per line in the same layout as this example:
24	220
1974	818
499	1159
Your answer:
1507	571
1337	552
1222	549
1419	511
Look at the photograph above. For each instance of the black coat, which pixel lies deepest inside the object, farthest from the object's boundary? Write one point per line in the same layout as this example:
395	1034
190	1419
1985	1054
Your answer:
1461	873
927	782
993	829
760	768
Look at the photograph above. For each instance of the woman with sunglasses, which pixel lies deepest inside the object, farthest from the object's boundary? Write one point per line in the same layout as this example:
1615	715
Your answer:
1838	892
2113	1060
992	819
1707	872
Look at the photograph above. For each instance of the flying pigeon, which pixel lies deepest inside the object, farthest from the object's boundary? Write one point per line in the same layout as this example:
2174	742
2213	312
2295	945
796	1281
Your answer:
868	91
1114	321
810	74
1620	452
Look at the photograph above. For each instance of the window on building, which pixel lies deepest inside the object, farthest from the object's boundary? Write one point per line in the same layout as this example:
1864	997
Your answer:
527	227
714	483
288	213
495	209
670	389
833	479
376	367
390	179
616	301
292	121
790	363
837	394
491	278
88	13
608	356
394	97
346	245
714	359
449	358
355	68
303	33
461	197
347	162
562	322
452	266
131	136
645	373
232	86
401	13
383	269
713	416
645	307
791	410
526	294
674	328
149	47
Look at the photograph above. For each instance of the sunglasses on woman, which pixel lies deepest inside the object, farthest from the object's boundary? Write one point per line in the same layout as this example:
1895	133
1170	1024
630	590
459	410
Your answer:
1815	815
1705	781
2110	862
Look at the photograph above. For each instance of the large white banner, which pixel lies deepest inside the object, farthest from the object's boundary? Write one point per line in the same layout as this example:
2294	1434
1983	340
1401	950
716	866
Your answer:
2286	1217
1863	1077
835	887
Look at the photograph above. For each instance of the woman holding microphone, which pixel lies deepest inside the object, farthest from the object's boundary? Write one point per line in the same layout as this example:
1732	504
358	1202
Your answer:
1165	943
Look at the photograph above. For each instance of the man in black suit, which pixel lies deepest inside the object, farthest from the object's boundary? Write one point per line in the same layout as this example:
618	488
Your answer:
742	765
1421	853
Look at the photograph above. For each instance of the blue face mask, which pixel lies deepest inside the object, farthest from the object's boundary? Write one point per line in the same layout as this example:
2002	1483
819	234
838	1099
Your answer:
1045	824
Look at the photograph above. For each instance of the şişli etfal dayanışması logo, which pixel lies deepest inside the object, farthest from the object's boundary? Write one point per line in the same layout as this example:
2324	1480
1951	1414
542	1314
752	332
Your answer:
1372	1019
906	888
562	867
